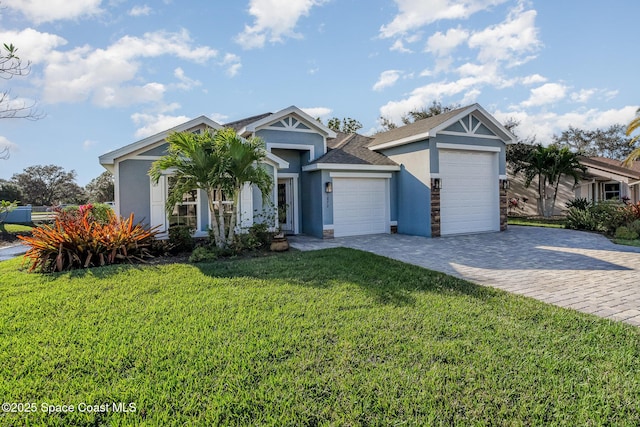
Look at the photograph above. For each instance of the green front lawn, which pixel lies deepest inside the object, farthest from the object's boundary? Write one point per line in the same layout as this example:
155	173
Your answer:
15	228
537	222
333	337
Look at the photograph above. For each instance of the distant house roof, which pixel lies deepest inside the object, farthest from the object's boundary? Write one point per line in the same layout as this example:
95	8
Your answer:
429	127
612	165
351	149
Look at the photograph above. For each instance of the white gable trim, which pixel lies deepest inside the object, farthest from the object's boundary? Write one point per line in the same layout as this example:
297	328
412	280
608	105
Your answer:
277	161
402	141
508	138
310	121
342	166
447	146
303	147
157	139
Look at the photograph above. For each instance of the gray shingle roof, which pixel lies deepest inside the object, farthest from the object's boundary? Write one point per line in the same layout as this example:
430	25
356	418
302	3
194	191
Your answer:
614	165
415	128
239	124
352	150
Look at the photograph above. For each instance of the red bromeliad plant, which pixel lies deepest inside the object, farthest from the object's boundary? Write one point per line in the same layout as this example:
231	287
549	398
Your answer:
77	240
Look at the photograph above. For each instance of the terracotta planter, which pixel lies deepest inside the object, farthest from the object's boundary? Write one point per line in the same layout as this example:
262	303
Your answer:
279	243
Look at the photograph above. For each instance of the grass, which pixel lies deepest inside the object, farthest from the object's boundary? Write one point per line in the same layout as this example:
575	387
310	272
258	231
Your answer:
537	222
333	337
15	228
626	242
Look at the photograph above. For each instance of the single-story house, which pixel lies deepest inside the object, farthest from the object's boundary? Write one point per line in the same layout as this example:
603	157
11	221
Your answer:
604	179
443	175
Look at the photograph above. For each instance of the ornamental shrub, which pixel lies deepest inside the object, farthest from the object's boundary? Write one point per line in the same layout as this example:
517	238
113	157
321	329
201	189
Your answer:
624	232
578	219
180	238
78	240
579	203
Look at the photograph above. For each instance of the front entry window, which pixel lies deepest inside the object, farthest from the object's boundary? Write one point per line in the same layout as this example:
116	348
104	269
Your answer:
185	212
285	205
612	191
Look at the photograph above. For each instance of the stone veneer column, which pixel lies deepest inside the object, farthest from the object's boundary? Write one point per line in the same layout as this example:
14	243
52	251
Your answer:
503	204
435	209
327	234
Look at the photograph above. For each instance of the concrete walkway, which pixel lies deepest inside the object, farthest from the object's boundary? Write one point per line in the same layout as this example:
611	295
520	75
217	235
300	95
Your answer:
573	269
8	252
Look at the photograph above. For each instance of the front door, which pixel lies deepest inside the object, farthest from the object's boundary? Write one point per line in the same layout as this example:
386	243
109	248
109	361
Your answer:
285	204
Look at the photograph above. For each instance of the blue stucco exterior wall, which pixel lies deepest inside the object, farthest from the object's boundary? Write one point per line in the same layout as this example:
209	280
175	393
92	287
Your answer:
311	201
288	137
410	192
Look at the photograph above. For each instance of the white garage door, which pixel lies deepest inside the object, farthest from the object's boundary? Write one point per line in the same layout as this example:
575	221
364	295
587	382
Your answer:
469	198
360	206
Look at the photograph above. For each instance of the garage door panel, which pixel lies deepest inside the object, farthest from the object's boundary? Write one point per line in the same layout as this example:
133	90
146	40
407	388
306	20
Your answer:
469	199
359	206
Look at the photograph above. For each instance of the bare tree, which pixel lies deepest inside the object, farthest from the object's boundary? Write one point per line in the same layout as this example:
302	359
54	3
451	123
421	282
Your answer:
12	66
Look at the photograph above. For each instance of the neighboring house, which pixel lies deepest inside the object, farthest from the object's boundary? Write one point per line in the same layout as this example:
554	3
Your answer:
604	179
439	176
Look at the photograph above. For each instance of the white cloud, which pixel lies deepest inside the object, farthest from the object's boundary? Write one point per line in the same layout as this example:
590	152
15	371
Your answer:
546	94
233	64
545	124
32	45
414	14
151	124
441	44
219	118
102	74
140	10
398	46
88	143
533	79
387	78
274	20
512	41
185	82
39	11
316	112
583	95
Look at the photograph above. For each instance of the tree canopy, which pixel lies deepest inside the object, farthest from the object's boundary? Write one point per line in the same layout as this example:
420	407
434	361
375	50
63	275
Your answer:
101	188
611	142
48	185
346	125
413	116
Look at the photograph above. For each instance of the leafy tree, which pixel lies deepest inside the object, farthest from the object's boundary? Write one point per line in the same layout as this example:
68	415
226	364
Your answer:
610	142
218	163
48	185
12	66
9	191
632	127
346	125
101	189
548	165
413	116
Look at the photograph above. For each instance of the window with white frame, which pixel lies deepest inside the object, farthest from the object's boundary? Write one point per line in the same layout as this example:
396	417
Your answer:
185	212
612	191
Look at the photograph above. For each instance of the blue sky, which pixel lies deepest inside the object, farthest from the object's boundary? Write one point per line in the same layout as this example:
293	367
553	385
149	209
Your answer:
110	72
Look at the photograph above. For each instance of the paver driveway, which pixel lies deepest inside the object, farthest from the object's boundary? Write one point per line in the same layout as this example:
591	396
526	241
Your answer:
574	269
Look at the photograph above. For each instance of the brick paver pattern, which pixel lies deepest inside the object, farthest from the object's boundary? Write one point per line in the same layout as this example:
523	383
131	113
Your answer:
573	269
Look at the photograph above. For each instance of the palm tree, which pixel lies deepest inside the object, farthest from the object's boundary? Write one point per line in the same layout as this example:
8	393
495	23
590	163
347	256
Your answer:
632	127
218	163
549	165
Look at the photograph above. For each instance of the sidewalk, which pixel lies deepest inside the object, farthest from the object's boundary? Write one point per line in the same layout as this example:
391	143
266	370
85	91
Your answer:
12	251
